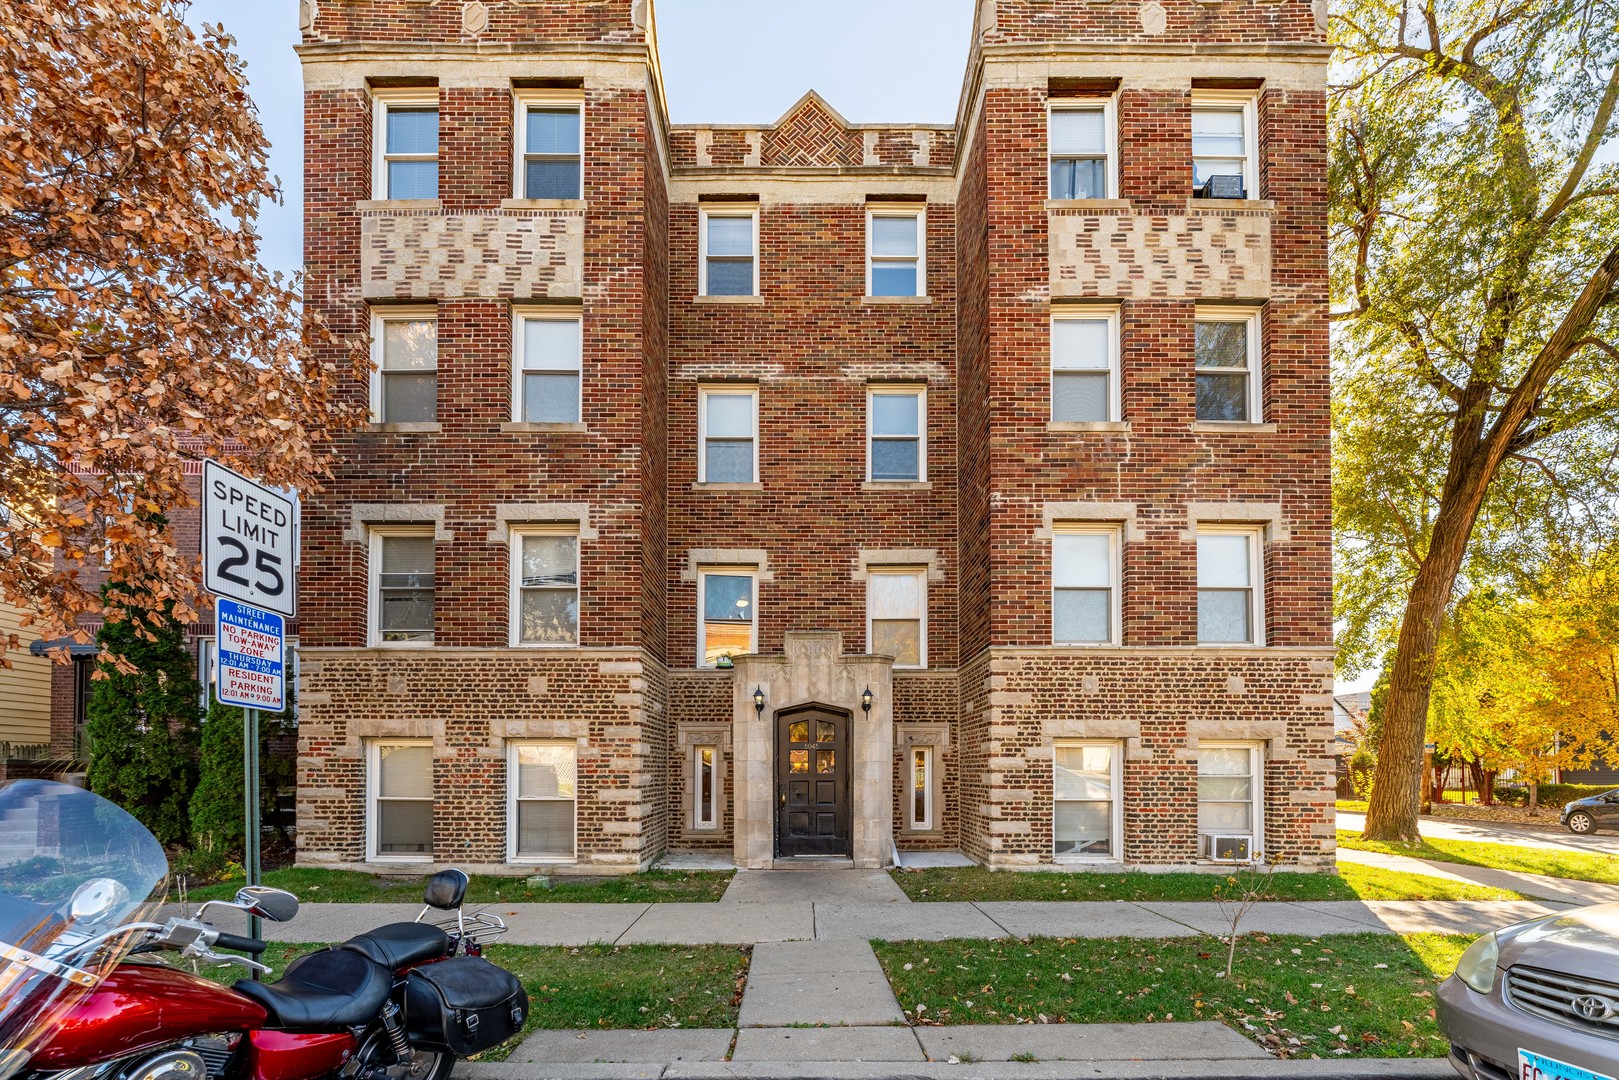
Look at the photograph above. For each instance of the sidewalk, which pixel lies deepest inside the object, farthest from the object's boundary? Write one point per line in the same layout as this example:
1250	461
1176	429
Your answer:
1097	1068
1560	890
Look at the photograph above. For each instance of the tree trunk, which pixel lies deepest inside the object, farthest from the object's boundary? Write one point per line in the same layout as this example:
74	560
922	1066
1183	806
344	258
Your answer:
1534	794
1427	782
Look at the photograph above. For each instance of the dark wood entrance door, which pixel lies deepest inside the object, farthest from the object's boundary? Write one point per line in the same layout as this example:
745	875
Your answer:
812	783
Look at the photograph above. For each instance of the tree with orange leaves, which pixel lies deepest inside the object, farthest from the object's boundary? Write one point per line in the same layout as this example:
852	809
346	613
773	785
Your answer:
138	329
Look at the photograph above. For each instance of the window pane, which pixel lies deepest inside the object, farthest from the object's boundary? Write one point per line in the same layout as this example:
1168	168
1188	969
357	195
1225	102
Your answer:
1079	344
1222	397
919	786
1225	788
727	597
550	560
1224	761
895	596
730	277
1222	615
545	828
553	131
728	462
404	828
550	616
893	279
1077	398
894	459
1081	616
1079	178
899	638
551	344
545	772
551	399
551	179
1221	344
409	399
1203	168
412	179
730	416
730	236
1083	828
1222	561
894	414
413	130
1078	132
406	615
409	344
1215	817
408	555
405	772
893	235
705	784
1083	772
726	639
1217	131
1082	560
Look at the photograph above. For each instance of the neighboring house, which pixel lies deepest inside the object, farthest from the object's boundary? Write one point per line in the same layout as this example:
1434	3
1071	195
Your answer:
25	691
817	489
1349	713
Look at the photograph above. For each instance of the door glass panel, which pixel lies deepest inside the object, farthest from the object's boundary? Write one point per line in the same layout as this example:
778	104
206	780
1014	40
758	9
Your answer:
798	760
825	732
798	731
825	761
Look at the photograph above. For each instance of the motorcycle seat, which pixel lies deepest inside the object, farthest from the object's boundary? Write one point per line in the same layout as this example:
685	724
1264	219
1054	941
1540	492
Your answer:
333	988
401	944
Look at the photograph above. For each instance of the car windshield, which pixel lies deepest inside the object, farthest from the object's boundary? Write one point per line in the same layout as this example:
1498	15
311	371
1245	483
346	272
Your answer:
73	869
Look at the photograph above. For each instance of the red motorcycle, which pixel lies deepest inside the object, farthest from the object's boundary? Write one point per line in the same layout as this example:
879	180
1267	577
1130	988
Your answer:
81	1000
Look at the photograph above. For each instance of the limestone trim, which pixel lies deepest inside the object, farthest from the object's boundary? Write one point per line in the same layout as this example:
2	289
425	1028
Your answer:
758	558
1092	727
350	65
540	513
909	735
1273	733
364	515
897	557
1237	513
1010	654
688	736
1053	514
848	185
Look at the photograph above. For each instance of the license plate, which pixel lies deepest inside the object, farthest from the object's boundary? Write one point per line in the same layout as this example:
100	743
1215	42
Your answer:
1533	1066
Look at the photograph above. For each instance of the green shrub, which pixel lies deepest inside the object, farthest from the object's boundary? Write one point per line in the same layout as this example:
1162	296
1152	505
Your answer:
217	825
1552	795
1362	766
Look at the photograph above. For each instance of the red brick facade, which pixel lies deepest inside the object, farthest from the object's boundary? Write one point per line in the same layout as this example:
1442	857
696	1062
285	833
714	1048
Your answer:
996	697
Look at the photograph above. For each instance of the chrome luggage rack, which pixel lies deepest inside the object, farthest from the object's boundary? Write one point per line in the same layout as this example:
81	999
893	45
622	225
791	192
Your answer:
476	930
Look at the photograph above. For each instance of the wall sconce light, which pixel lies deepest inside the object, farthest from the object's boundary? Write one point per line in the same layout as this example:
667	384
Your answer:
866	700
759	700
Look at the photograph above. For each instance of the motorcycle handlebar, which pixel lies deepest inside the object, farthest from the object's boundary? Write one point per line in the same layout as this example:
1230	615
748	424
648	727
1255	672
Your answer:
240	944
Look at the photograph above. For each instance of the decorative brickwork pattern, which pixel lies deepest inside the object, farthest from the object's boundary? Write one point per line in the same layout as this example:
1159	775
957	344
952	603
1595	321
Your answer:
1219	253
430	254
1149	21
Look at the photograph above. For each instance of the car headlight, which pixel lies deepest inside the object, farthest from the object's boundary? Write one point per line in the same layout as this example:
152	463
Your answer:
1476	968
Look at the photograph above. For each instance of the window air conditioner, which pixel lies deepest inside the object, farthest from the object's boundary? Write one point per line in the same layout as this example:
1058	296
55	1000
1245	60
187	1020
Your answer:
1221	186
1227	848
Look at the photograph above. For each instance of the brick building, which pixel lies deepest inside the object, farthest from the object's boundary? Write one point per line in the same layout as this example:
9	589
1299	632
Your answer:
818	489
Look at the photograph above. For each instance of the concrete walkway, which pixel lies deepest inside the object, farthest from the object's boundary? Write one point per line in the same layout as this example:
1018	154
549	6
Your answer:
1095	1067
1561	890
1483	832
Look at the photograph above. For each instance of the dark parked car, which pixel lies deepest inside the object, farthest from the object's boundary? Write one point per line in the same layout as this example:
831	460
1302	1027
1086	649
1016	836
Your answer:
1590	814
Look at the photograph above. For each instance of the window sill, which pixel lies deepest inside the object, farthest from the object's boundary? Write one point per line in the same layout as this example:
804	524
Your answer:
699	486
897	485
728	300
1231	644
544	645
396	860
1210	427
399	204
402	646
1085	644
1087	425
542	204
884	301
1223	206
522	426
413	428
542	860
1089	204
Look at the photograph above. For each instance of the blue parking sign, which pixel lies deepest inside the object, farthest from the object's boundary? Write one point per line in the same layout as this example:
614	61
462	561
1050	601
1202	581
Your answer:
252	656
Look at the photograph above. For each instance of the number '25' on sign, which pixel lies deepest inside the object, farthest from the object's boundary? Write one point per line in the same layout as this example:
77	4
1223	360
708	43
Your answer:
248	541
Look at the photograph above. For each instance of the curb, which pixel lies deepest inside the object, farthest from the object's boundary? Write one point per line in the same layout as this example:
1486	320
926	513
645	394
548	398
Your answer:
1235	1069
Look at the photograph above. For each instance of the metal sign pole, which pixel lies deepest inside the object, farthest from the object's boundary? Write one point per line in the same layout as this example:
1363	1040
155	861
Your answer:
250	785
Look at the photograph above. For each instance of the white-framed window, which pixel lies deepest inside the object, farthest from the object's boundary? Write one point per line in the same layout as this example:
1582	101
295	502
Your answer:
1230	585
1082	140
541	780
1223	143
727	434
1085	576
399	779
401	566
547	362
896	251
1085	817
1085	383
1225	360
207	671
705	795
404	143
897	614
1231	793
920	815
896	433
727	615
404	357
728	263
545	585
549	129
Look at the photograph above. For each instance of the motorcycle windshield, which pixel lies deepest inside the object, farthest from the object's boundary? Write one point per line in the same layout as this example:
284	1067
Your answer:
73	869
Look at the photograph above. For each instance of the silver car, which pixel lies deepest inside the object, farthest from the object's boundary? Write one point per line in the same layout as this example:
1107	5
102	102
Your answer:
1538	1001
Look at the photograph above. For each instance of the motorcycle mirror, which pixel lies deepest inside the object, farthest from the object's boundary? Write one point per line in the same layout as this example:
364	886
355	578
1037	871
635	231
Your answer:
96	899
277	905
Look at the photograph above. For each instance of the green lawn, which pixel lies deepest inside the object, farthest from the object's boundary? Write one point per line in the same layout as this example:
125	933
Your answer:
1578	865
1370	995
316	886
972	883
598	986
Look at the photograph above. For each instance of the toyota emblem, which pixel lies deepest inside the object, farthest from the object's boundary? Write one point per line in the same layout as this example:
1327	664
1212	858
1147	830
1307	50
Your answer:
1591	1007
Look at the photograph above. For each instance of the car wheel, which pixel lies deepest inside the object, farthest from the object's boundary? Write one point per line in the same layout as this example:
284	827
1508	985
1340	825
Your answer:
1581	822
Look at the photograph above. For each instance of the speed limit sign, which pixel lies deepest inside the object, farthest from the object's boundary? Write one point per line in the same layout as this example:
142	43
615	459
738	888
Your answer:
248	541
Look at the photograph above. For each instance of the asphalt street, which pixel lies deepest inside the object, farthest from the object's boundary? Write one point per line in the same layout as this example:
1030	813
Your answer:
1523	835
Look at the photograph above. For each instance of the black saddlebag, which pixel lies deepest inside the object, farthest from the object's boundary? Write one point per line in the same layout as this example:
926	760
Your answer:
465	1005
